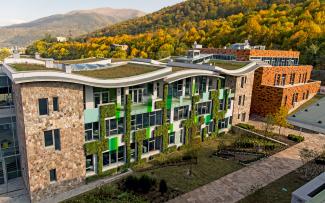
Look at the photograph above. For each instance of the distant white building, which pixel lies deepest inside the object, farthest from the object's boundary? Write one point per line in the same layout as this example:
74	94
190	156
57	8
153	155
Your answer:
61	39
197	46
246	45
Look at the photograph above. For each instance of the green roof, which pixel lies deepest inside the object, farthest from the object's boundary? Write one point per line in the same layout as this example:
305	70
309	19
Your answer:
80	61
31	67
229	65
122	71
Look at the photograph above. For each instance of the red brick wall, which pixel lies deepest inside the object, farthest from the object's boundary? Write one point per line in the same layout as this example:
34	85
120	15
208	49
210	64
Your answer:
268	99
274	53
243	55
268	73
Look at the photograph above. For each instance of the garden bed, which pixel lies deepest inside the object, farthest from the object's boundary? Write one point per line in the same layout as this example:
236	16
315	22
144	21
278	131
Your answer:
241	156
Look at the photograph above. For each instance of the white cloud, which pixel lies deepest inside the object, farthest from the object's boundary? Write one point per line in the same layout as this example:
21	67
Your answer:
5	22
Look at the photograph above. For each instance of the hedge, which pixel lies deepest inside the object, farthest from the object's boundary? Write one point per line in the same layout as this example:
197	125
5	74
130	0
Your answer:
296	138
246	126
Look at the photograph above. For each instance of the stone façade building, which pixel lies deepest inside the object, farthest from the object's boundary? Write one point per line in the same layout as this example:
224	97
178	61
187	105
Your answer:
72	125
82	121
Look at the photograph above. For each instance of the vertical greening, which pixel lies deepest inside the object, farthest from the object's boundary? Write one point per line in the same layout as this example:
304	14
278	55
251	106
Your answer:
128	128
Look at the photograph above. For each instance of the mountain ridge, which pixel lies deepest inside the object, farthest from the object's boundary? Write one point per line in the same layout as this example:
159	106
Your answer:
73	23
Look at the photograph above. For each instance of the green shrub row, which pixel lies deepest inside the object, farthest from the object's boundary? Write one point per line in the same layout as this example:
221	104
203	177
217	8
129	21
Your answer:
246	126
296	138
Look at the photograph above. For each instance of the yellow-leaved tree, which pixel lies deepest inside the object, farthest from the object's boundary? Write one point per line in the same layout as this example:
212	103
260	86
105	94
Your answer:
280	118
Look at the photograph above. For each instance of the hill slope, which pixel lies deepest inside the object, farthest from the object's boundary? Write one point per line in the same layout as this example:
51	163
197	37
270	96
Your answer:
73	24
299	25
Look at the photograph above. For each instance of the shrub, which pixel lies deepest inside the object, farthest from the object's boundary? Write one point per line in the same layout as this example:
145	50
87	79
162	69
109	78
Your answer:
143	184
246	126
296	138
269	146
163	186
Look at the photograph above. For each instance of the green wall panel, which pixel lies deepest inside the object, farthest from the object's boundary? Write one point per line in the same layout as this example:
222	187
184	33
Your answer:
91	115
113	144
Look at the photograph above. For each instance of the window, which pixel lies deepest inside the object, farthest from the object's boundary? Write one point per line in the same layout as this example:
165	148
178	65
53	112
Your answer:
285	100
137	95
177	89
48	137
229	103
114	126
114	156
223	123
292	78
52	175
43	106
90	163
151	144
299	78
294	98
171	138
91	131
239	100
307	95
52	137
5	92
203	108
283	79
243	117
211	127
188	86
243	81
145	120
244	97
55	104
181	112
101	96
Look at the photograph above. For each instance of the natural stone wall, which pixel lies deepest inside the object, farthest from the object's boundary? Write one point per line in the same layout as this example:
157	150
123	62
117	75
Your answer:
69	162
235	84
267	98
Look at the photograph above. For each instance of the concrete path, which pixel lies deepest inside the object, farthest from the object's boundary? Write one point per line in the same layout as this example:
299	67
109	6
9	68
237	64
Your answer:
237	185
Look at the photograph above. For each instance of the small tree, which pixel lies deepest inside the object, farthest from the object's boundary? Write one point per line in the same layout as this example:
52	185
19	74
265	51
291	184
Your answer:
163	186
280	118
4	53
269	123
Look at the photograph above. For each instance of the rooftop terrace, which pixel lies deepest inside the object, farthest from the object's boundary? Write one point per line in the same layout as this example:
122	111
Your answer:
122	71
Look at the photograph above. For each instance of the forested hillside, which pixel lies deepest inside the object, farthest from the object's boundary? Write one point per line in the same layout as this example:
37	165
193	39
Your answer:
299	25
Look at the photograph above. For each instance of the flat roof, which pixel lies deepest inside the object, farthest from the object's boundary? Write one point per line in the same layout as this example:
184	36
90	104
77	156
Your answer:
20	67
121	71
228	65
311	117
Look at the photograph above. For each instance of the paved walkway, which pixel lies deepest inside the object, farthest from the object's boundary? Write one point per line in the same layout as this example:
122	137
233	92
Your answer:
237	185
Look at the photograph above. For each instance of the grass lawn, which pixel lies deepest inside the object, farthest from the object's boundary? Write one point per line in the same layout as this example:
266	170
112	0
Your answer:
80	61
308	103
280	190
209	168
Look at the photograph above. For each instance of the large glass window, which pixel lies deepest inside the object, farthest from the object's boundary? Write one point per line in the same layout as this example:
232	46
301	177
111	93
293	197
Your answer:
145	120
114	126
104	96
203	108
91	131
114	156
151	144
223	123
137	95
5	92
43	106
181	112
90	163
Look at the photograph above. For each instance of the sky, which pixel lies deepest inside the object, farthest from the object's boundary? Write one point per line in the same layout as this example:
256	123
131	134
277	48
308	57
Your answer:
19	11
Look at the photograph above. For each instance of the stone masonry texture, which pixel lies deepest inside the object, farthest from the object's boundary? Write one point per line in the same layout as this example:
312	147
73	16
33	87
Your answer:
235	84
268	98
38	160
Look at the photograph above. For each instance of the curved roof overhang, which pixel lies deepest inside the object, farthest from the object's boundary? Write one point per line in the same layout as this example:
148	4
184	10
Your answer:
56	76
179	75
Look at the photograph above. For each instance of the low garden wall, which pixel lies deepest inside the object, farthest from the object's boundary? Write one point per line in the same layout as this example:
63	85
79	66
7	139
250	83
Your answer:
242	131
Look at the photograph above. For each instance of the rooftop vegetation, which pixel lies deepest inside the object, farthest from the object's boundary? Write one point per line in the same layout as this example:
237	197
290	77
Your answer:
31	67
229	65
122	71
